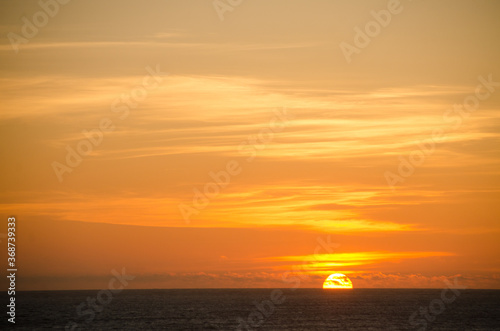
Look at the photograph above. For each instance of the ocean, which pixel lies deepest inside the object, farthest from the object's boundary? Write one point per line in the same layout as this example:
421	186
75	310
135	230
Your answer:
258	309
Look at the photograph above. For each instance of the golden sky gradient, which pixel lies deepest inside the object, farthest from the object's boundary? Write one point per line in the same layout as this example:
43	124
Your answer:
268	93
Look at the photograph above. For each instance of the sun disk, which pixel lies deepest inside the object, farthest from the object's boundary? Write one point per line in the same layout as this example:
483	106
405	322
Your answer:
337	281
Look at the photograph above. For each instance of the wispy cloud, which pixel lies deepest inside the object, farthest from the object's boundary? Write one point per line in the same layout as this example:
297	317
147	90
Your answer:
326	262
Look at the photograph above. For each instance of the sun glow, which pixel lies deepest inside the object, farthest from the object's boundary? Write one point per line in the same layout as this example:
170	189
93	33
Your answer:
337	281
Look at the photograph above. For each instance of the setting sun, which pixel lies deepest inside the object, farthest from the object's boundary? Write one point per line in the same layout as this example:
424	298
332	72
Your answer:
337	281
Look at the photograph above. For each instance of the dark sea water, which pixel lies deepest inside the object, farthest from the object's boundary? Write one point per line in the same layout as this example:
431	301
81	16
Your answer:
233	309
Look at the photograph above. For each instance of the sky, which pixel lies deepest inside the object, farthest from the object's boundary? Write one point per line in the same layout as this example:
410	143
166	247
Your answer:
253	143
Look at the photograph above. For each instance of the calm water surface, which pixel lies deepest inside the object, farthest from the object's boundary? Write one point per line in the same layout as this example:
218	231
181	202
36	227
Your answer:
233	309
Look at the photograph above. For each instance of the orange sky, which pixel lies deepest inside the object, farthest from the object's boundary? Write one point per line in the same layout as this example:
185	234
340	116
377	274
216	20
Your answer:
172	96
